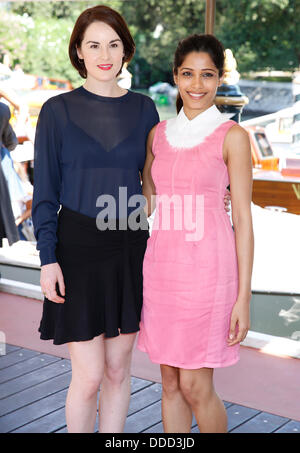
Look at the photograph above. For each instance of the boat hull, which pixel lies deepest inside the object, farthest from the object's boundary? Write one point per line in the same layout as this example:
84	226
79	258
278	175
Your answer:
276	190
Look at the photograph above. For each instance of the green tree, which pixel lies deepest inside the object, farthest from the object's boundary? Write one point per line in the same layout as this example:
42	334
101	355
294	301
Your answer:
263	34
159	25
36	35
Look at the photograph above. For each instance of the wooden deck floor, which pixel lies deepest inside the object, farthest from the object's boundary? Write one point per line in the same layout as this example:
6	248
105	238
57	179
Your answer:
33	388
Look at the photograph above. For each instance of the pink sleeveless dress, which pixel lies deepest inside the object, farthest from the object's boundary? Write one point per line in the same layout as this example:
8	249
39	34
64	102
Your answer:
190	270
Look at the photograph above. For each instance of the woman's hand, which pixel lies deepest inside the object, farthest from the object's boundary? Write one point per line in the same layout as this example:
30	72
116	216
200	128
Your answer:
51	274
19	220
227	200
240	322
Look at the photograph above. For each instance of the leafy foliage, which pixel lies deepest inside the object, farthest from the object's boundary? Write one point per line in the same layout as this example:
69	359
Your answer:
262	34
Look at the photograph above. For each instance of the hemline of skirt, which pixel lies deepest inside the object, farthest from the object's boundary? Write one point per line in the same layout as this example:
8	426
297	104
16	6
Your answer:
190	367
46	337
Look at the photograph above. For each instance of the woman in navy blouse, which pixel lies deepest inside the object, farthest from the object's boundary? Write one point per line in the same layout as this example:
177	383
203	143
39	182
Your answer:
89	155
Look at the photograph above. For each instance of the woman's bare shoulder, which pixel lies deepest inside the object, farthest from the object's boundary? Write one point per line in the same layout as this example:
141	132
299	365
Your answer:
237	133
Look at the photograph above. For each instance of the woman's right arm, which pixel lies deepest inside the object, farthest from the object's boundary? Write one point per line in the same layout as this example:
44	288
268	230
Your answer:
148	186
46	195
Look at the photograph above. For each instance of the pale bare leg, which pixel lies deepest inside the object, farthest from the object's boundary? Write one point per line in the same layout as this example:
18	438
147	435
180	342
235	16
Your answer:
176	412
115	386
198	390
87	358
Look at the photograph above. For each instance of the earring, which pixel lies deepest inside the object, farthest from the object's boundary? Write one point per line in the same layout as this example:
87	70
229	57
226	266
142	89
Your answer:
80	60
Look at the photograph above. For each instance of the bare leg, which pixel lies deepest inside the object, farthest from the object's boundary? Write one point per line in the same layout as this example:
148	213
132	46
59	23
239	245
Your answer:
87	358
115	387
197	388
176	412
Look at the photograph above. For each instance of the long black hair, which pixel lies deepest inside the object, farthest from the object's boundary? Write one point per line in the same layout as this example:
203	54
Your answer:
199	43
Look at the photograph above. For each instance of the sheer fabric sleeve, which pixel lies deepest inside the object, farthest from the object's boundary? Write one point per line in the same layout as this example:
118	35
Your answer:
10	140
47	184
152	115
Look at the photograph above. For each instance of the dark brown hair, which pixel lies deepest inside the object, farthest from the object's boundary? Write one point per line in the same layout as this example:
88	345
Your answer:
112	18
199	43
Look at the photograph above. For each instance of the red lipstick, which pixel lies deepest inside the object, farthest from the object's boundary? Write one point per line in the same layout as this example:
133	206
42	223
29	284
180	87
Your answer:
105	67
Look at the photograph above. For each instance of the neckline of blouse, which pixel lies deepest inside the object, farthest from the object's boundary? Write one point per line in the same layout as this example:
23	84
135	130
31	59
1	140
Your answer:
105	98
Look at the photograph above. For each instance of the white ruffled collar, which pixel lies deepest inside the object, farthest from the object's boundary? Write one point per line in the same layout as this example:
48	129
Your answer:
184	133
207	117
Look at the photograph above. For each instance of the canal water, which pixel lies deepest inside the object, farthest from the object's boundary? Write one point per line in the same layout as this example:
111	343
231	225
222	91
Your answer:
276	314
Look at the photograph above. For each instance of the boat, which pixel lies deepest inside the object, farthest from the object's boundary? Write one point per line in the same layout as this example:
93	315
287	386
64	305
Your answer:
276	180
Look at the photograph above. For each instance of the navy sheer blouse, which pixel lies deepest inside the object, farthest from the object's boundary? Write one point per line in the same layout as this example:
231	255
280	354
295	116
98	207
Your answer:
86	145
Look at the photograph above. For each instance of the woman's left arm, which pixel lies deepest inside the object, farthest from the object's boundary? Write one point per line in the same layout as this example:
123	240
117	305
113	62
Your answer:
237	154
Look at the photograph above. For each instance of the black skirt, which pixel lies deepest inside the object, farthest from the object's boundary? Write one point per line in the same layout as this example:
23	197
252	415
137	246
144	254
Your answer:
103	281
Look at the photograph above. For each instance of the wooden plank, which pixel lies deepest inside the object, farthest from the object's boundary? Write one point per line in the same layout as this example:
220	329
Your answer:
138	384
35	377
144	398
239	414
261	423
10	348
32	394
292	426
17	356
143	419
227	404
34	401
26	366
32	412
62	431
47	424
50	422
158	429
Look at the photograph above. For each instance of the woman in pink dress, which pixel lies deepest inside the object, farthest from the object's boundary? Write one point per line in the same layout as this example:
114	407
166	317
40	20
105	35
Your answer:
197	269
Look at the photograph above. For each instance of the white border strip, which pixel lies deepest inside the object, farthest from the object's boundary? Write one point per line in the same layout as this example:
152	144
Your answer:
21	289
272	345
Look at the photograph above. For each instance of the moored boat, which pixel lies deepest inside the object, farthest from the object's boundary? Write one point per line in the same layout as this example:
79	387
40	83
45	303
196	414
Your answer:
276	181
